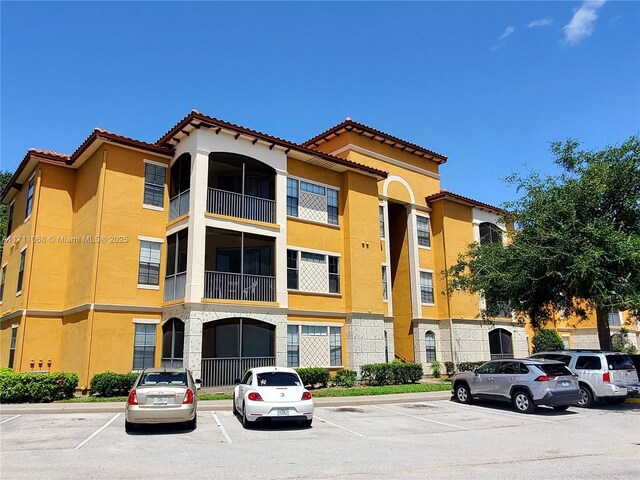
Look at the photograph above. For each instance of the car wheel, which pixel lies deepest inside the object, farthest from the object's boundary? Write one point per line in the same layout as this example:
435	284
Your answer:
587	399
193	424
129	427
615	400
560	408
523	402
463	395
245	421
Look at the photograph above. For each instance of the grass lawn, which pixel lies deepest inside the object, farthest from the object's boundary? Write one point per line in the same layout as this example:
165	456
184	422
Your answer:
320	392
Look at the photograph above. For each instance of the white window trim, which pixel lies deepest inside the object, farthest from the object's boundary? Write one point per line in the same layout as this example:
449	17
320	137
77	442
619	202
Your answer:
326	254
310	250
307	180
142	286
151	239
296	323
18	293
153	162
423	247
426	270
149	321
325	185
328	336
315	222
152	207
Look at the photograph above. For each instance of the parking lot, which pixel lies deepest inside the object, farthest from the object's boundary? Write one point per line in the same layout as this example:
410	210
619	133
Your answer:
435	439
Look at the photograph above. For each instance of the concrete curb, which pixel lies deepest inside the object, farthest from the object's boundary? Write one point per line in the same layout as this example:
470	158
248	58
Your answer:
218	405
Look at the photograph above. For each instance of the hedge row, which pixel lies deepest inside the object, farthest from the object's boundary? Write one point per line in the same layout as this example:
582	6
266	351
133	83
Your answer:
315	376
391	373
111	384
19	387
469	366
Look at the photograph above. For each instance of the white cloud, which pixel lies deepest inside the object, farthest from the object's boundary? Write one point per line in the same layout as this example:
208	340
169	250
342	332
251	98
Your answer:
541	22
583	21
507	31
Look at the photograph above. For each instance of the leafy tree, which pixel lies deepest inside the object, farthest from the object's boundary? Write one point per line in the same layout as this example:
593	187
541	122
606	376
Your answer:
576	246
620	342
546	340
4	180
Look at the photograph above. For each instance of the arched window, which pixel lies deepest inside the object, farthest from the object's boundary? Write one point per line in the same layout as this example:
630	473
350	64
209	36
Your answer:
490	233
500	344
172	343
386	347
430	343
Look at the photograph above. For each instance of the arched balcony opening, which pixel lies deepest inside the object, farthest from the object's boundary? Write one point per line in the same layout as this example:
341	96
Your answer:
172	343
241	187
231	346
500	344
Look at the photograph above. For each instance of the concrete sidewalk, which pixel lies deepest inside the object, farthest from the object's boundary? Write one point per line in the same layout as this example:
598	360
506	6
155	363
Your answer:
218	405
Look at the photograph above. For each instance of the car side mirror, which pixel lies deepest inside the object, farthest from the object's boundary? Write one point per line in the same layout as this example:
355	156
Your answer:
236	381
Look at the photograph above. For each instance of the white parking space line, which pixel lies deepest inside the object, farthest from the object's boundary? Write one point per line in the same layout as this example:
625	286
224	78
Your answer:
80	445
421	418
338	426
521	416
8	419
221	427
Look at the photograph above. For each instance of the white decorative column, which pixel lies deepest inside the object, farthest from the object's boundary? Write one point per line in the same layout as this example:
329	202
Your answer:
414	263
282	296
194	291
192	355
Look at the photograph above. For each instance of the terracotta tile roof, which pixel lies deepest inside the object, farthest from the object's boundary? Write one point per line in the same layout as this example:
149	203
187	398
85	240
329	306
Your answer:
454	197
33	153
101	134
351	126
55	156
196	119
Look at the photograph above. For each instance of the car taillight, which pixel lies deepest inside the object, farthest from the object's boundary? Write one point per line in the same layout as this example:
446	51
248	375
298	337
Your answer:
306	396
188	397
574	375
545	378
606	377
133	398
254	396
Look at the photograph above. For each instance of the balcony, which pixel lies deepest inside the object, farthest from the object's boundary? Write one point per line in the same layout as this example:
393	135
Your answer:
179	205
237	286
233	204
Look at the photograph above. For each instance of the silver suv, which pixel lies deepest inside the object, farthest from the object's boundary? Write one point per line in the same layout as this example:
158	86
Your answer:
607	376
526	383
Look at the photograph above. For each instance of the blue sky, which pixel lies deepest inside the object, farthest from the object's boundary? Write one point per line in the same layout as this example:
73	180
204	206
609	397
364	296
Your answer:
488	84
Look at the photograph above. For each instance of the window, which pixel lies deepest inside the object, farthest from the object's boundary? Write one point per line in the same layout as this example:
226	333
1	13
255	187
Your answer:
488	368
144	346
514	368
21	271
175	278
314	330
385	293
430	342
490	233
12	345
172	343
426	287
565	342
292	269
424	239
179	185
334	275
149	264
335	347
292	197
293	346
381	220
30	192
2	278
312	202
313	272
500	344
10	217
386	347
588	362
154	184
614	318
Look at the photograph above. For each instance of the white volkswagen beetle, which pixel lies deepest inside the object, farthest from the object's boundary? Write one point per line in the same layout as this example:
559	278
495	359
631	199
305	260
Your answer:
272	393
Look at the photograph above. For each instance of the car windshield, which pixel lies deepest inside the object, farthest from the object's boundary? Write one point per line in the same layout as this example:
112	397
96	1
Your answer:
554	369
164	378
278	379
620	362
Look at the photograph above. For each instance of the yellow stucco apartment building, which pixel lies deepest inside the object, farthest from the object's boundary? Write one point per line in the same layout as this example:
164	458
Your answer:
220	248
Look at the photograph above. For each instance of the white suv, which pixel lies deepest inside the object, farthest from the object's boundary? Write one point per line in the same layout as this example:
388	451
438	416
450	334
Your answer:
607	376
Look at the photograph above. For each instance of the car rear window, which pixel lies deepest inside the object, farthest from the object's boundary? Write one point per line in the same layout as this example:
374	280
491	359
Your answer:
554	356
620	362
278	379
588	362
163	378
554	369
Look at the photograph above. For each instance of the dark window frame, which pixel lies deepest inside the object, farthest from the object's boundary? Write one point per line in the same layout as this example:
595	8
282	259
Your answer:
153	187
424	231
146	361
430	350
23	260
31	191
149	271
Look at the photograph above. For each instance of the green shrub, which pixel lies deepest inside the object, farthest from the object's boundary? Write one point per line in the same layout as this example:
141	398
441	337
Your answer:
391	373
314	376
469	366
111	384
436	368
345	378
450	367
546	340
18	387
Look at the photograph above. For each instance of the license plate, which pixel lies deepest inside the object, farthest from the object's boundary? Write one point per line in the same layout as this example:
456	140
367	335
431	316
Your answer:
565	384
160	401
282	411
